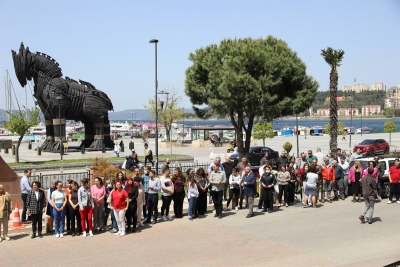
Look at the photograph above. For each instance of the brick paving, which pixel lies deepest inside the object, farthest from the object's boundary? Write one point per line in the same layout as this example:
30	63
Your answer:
328	236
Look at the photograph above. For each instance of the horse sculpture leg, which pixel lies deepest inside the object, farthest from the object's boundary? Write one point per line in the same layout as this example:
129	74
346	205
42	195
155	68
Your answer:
49	142
59	132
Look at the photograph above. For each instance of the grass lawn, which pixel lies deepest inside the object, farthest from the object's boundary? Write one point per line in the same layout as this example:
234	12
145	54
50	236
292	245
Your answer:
57	162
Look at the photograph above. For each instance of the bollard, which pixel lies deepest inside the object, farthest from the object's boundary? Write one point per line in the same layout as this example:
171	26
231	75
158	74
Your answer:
131	145
29	145
13	150
121	144
6	151
39	151
103	148
83	149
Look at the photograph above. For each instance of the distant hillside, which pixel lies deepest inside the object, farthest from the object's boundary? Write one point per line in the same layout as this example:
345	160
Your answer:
358	100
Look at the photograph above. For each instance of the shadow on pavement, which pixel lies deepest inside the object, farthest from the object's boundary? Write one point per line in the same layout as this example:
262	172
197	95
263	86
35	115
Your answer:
19	236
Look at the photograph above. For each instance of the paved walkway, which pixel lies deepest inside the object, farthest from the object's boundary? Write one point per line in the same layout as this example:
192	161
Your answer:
328	236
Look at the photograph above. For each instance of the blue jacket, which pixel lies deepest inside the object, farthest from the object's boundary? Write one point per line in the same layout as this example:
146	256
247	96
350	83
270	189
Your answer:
250	188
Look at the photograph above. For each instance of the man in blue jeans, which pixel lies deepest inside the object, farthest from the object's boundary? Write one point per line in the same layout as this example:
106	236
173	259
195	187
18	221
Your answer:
25	188
152	198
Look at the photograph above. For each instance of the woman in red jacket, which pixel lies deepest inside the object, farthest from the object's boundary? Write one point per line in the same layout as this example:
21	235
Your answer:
119	204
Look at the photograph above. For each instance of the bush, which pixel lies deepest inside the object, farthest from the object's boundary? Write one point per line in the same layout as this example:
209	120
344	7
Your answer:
287	147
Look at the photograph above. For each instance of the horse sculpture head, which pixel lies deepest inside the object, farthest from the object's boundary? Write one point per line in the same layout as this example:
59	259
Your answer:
27	65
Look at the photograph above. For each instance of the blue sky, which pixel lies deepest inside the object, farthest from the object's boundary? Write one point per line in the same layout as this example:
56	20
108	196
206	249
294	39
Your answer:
107	42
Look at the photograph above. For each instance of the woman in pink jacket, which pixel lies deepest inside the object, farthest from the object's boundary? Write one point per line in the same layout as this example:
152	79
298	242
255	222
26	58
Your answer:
371	164
355	174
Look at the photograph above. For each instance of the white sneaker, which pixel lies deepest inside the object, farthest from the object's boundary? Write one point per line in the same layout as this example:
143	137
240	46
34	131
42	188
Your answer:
163	218
57	235
389	202
141	224
225	209
90	233
61	235
84	234
169	218
121	234
398	201
137	225
118	233
236	208
1	239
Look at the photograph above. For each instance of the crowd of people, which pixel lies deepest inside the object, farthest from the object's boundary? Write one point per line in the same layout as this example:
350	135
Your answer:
80	208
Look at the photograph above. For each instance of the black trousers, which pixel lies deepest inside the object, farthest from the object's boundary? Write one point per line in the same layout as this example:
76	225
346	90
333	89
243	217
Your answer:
75	216
152	207
236	192
166	202
36	220
394	191
68	217
145	207
24	197
261	199
290	193
217	199
148	159
178	202
268	197
131	214
283	189
201	204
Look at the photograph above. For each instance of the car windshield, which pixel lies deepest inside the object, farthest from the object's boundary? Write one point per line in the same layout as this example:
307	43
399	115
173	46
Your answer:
367	142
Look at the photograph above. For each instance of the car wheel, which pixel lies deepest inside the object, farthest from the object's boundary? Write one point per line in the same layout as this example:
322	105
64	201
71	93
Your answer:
387	150
372	152
386	189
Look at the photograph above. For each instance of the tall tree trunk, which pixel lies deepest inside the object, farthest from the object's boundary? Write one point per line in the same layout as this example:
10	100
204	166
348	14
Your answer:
248	131
168	133
239	132
333	110
17	148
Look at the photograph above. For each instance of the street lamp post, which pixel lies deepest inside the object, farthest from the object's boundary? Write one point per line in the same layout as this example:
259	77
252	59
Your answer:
361	121
155	41
59	116
183	123
297	135
351	122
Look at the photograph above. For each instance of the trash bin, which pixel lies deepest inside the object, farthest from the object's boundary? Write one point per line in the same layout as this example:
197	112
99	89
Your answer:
39	151
29	145
13	150
121	144
131	145
83	149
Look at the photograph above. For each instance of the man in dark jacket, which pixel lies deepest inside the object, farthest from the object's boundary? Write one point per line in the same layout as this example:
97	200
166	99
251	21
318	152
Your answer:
339	178
368	185
282	160
268	181
380	166
249	189
228	167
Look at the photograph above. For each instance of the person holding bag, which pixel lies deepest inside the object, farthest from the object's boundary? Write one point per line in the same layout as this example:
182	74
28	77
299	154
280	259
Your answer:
5	211
36	204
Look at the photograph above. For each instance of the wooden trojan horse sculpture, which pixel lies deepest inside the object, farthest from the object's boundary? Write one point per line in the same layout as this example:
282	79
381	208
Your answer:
64	99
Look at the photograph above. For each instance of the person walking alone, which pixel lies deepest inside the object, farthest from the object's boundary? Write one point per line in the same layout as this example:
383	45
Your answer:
368	185
148	155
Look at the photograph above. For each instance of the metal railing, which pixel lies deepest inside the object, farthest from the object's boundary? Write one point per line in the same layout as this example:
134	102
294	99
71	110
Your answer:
191	165
46	179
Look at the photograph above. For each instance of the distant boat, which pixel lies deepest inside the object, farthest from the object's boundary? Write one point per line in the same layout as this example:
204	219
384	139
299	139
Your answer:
364	130
38	130
349	130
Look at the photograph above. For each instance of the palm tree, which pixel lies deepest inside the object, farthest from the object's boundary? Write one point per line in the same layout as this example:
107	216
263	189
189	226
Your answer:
334	59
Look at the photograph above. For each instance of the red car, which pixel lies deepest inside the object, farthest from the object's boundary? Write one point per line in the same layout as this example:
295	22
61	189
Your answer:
373	146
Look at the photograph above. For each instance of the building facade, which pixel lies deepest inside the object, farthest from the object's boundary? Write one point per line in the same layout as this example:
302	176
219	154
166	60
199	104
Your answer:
371	110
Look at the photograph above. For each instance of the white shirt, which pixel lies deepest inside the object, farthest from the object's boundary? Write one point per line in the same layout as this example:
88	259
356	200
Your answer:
261	170
320	157
37	195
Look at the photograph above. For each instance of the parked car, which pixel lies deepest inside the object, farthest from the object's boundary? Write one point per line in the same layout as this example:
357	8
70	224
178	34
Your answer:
389	162
255	155
369	147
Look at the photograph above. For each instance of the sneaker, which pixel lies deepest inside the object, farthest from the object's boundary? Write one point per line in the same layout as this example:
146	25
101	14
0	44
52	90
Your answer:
215	215
220	216
121	234
354	200
190	219
7	238
169	218
113	231
1	239
61	235
236	208
141	224
389	202
359	200
163	218
84	234
90	233
369	221
57	235
118	233
398	201
361	219
137	225
225	209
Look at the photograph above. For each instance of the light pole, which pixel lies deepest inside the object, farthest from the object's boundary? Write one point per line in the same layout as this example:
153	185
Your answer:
361	121
183	123
132	118
297	135
59	117
155	41
351	122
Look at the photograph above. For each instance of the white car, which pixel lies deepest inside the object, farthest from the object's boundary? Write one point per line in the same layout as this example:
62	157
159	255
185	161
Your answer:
389	162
